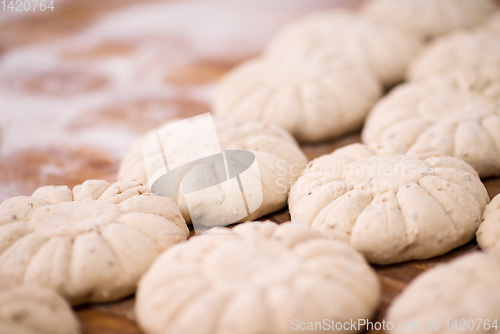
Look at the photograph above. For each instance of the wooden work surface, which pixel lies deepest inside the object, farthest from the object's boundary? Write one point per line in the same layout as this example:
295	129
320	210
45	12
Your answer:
28	166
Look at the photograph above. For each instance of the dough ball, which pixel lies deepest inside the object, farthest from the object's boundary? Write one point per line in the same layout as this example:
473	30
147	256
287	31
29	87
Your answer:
279	160
32	309
451	115
429	18
466	288
475	51
314	101
488	234
392	208
255	278
387	52
87	250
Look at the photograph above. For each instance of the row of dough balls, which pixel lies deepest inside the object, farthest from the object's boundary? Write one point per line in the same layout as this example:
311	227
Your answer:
320	77
259	275
451	104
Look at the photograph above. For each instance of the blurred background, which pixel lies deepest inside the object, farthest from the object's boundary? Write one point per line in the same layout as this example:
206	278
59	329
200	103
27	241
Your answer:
80	83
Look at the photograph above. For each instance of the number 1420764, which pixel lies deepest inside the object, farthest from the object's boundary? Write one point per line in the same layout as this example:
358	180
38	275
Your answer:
26	5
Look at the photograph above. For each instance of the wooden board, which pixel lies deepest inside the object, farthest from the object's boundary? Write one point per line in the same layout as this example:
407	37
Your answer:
22	171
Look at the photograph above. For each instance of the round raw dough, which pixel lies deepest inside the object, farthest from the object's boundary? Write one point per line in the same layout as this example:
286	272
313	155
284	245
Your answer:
466	288
32	309
445	114
278	156
255	278
314	101
392	208
429	18
488	234
474	51
323	36
88	250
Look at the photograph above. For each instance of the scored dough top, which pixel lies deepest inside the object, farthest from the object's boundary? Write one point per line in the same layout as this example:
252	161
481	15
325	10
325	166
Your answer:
256	278
456	115
90	250
312	100
32	309
429	18
466	288
392	208
325	35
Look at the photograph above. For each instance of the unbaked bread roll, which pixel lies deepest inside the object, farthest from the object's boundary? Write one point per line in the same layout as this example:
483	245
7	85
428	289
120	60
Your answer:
475	51
463	295
392	208
32	309
88	250
314	101
279	160
429	18
488	234
387	52
451	115
255	278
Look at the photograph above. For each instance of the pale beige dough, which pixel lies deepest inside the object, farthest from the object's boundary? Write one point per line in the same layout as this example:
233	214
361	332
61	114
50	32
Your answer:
429	18
278	156
255	278
88	250
456	115
32	309
313	101
493	23
488	234
464	50
325	35
466	288
392	208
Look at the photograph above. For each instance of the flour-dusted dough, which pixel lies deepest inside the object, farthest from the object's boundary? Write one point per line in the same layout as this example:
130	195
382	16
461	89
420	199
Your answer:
429	18
314	101
466	288
387	52
446	114
32	309
278	156
88	250
392	208
488	234
476	50
255	278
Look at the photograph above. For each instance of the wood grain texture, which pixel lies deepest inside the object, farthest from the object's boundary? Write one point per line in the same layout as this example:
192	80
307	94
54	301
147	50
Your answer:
23	168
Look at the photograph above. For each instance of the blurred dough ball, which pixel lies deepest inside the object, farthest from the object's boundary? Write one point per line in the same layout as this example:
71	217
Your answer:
466	288
386	51
314	101
32	309
488	234
475	51
429	18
